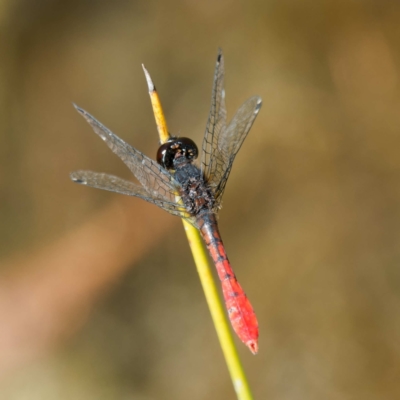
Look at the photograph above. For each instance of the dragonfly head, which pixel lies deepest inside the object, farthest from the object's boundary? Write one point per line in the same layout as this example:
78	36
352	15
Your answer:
176	150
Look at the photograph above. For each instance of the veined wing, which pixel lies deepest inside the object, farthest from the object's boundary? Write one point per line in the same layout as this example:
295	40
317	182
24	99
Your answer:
221	143
229	142
157	181
118	185
216	123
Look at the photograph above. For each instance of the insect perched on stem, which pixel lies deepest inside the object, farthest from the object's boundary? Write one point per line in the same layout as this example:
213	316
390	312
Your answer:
177	185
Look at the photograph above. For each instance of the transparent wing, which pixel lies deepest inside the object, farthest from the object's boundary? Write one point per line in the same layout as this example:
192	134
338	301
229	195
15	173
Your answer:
216	122
221	143
118	185
229	142
157	181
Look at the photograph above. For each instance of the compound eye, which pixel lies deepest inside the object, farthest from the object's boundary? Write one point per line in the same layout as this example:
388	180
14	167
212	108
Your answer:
176	148
165	155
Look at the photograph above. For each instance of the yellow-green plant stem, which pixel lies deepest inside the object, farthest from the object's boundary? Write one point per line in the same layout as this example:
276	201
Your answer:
217	311
204	270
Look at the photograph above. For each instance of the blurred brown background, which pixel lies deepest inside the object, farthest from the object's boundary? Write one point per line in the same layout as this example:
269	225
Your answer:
99	298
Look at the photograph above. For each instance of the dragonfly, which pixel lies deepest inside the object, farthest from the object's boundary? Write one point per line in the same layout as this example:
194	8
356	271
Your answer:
177	185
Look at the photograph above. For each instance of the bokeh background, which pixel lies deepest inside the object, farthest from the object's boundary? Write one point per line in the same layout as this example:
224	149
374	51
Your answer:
99	297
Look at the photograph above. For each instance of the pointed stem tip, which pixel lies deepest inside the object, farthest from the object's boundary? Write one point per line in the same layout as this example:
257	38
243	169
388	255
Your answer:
150	83
157	108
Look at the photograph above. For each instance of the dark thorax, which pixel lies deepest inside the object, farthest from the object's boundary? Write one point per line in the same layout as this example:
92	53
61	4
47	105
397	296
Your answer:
196	195
177	154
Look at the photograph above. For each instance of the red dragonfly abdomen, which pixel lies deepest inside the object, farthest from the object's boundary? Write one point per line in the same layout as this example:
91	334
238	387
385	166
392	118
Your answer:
240	311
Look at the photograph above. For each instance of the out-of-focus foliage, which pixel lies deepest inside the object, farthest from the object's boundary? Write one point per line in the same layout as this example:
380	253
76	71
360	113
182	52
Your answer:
99	297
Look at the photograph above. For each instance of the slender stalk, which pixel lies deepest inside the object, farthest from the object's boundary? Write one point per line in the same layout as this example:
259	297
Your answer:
204	270
218	314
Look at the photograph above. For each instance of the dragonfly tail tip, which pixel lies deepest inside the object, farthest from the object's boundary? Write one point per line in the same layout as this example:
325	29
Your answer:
253	346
